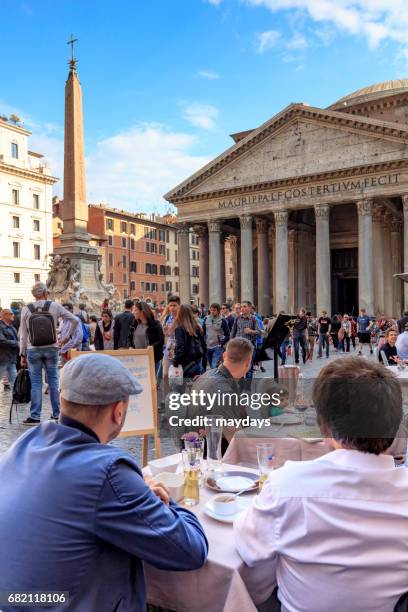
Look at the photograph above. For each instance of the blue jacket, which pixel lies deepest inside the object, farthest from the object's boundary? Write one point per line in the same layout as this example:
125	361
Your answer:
76	515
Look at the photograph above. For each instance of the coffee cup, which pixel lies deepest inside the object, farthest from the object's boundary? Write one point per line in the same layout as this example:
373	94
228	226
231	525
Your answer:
225	504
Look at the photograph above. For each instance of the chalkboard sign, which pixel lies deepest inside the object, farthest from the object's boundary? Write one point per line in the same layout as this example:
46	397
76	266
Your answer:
141	417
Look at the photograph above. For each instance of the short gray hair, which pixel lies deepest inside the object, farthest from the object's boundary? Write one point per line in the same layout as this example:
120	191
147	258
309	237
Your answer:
39	289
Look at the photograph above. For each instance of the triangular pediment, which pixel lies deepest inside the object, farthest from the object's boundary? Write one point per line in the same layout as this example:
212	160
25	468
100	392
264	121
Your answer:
300	141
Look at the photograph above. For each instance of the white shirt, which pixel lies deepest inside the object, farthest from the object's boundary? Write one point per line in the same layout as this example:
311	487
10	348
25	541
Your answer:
334	532
402	345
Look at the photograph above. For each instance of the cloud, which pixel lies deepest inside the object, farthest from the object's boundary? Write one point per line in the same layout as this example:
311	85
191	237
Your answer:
203	116
215	2
134	168
266	40
208	74
298	42
376	20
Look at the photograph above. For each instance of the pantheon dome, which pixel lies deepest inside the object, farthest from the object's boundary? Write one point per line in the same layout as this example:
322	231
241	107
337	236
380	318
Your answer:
372	92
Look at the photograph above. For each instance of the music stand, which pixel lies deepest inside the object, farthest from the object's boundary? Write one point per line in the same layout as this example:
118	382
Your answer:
274	339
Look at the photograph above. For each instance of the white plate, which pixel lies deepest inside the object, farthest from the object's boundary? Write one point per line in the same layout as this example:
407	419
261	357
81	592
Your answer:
243	504
233	484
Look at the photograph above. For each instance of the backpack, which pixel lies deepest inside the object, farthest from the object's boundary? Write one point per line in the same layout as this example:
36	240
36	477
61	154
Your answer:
41	325
85	332
196	348
22	387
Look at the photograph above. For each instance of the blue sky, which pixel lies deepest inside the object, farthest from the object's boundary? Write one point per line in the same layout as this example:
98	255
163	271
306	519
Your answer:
166	81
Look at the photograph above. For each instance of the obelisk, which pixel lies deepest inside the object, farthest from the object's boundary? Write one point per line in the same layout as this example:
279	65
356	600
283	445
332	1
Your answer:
76	269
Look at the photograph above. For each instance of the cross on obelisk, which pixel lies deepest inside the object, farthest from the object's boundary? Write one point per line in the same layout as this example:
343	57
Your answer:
72	61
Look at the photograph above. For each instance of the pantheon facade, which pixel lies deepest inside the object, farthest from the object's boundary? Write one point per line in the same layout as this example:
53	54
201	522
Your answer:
312	208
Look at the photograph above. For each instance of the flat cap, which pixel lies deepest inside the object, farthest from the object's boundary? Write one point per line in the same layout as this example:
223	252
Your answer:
97	379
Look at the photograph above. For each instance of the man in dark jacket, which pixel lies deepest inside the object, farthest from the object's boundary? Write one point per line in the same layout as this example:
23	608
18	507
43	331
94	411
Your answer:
75	512
123	322
8	347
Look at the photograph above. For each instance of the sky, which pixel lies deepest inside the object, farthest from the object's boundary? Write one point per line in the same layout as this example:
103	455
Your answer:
165	82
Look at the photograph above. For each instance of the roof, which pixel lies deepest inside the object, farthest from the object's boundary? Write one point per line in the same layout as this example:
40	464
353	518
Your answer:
387	129
373	92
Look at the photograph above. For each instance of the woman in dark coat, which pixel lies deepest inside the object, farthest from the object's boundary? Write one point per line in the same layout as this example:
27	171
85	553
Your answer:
147	331
190	344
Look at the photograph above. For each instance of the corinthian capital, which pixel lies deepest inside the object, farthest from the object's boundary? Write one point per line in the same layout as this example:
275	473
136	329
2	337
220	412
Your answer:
378	213
261	225
322	211
281	217
246	222
183	229
214	227
365	207
200	230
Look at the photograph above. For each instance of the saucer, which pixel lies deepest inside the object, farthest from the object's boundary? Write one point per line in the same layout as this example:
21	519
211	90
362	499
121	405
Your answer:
243	504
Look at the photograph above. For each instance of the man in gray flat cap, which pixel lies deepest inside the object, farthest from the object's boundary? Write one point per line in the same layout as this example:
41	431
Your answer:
75	512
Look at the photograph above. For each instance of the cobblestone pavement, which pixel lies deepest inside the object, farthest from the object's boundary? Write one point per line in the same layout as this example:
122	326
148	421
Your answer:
10	432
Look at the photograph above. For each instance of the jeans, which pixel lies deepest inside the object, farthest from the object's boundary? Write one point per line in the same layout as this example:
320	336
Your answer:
323	342
344	344
37	360
214	356
282	351
300	339
10	368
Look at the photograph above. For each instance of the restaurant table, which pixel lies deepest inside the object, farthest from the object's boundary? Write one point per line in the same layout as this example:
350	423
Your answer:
223	584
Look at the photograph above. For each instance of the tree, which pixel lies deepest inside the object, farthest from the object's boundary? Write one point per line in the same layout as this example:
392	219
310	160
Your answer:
15	118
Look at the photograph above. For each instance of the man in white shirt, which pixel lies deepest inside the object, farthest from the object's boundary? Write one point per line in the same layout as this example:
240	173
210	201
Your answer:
334	530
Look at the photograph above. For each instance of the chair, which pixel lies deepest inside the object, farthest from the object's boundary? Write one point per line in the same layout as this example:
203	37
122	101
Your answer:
402	604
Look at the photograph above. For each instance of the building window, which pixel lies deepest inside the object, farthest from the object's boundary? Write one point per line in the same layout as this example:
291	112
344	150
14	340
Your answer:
132	228
110	259
132	244
153	234
36	201
162	249
110	240
123	226
133	266
36	225
124	242
16	277
169	286
16	249
231	271
109	224
132	286
111	277
16	222
37	278
37	251
15	197
175	237
167	236
14	150
194	271
162	235
125	293
176	271
162	270
194	239
124	261
142	286
167	253
151	268
177	287
176	255
195	289
124	278
168	270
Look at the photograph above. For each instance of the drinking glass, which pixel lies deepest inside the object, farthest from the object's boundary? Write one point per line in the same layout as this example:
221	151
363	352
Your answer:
265	454
192	458
196	443
213	435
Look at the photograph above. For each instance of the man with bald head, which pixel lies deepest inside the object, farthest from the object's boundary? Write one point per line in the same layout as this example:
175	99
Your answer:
8	346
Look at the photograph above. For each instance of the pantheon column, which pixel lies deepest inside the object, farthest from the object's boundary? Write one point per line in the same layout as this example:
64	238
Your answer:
281	261
247	273
235	263
263	266
396	265
184	262
214	249
365	254
222	267
405	250
378	259
202	232
323	262
386	242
